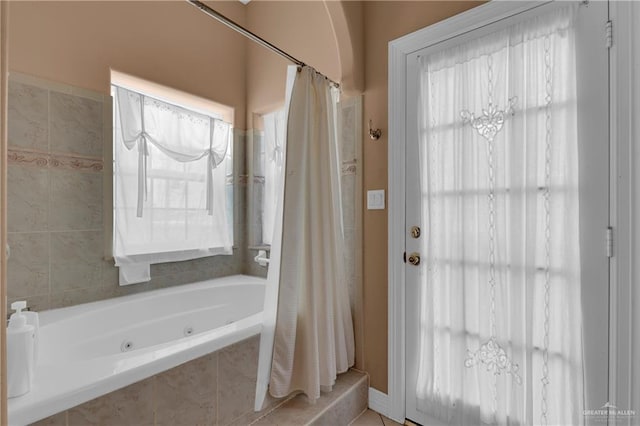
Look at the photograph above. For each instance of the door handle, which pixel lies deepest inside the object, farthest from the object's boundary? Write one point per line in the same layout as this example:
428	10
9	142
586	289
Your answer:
414	259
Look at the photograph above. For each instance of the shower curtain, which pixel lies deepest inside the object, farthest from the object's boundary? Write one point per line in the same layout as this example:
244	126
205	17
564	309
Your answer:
313	339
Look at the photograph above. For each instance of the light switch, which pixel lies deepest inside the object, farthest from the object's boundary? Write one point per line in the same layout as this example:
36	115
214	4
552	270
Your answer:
375	199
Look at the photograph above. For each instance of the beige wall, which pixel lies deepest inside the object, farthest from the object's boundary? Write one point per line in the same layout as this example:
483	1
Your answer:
347	20
302	29
348	44
170	43
308	30
384	21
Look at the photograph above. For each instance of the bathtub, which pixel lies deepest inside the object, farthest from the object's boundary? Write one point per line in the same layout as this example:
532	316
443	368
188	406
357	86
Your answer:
88	350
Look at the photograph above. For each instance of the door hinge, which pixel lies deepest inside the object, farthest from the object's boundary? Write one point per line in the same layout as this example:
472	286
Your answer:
609	241
608	34
404	257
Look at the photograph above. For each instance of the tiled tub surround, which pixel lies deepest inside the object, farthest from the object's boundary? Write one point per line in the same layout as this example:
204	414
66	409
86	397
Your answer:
89	350
216	389
57	135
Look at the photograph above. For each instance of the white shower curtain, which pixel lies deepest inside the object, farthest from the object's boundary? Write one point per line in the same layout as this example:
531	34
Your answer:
500	308
270	310
314	332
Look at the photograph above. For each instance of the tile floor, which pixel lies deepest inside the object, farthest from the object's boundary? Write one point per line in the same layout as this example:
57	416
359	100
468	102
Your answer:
371	418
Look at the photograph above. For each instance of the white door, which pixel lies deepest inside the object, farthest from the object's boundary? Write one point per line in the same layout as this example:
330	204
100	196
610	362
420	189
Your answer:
496	284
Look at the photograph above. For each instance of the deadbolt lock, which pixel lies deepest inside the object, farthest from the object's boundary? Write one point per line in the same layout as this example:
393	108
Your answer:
415	231
414	258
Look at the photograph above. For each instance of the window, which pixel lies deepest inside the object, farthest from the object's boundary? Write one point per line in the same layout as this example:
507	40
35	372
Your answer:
272	160
173	194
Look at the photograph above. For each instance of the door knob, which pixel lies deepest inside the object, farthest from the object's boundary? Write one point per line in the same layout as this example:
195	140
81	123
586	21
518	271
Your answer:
414	258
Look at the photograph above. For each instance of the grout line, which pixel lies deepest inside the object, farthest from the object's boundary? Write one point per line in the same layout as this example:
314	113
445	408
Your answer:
48	120
26	232
55	86
358	416
63	231
154	390
217	412
49	209
381	419
274	408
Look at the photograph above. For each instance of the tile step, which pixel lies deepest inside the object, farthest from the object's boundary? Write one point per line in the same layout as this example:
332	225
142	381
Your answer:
336	408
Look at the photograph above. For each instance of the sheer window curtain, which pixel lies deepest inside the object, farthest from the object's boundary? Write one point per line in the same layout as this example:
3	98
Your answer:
500	308
274	133
170	170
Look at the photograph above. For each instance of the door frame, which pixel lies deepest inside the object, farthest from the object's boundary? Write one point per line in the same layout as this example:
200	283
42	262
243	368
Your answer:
624	331
4	74
399	49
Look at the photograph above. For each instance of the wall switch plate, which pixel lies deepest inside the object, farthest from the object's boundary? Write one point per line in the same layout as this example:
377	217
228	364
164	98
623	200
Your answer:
375	199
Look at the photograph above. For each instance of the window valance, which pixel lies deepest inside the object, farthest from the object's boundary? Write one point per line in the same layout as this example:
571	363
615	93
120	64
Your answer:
181	134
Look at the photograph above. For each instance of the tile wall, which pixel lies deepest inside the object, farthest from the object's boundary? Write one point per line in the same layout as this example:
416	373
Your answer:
255	145
350	139
57	135
348	116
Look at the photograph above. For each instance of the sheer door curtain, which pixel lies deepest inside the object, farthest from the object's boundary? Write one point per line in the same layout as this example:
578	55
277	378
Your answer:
500	308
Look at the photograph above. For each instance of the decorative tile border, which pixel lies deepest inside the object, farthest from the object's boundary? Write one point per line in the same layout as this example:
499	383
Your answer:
24	157
240	180
75	163
78	163
349	167
27	158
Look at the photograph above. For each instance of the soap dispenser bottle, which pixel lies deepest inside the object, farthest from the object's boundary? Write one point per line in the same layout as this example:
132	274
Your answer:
20	352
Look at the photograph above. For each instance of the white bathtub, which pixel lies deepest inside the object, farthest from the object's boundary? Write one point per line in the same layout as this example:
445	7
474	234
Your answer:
92	349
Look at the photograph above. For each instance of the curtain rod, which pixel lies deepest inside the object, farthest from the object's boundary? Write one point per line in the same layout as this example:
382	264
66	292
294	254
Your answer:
251	36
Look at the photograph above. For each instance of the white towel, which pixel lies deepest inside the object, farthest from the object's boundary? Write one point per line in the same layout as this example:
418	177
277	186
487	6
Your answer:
134	273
